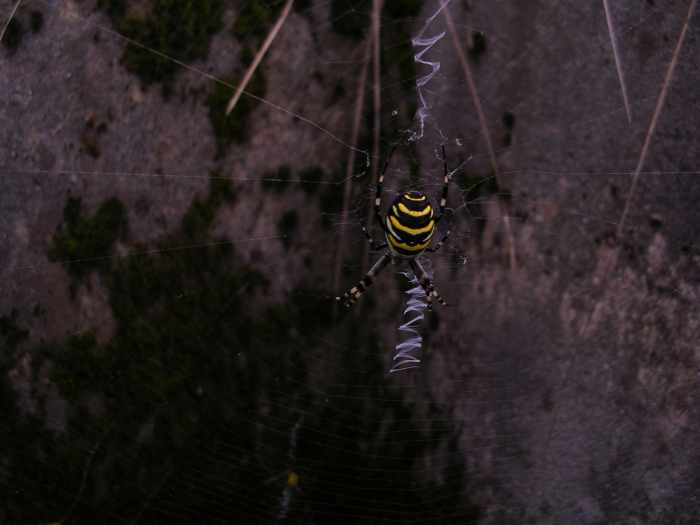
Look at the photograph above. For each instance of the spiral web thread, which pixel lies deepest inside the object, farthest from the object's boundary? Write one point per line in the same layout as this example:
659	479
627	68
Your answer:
418	41
404	360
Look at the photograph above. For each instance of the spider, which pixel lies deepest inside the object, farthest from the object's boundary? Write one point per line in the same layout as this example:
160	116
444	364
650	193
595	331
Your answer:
409	227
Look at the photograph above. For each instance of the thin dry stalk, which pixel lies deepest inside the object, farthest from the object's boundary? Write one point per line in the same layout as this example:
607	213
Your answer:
484	127
618	63
351	162
85	473
657	112
14	10
376	11
610	258
467	4
258	58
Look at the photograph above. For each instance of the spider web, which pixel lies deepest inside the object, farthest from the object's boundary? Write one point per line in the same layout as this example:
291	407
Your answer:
170	352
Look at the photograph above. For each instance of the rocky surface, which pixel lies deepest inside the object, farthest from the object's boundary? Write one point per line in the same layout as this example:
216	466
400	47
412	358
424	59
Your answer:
569	381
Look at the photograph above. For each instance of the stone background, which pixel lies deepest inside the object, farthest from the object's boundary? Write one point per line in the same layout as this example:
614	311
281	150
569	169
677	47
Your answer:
572	377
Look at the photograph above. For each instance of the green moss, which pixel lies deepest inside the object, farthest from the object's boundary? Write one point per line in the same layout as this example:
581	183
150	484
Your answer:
11	332
401	53
13	34
171	29
300	6
36	20
81	366
508	120
115	9
255	19
479	47
286	226
310	179
442	505
87	242
220	189
277	181
310	309
247	55
351	17
476	188
402	9
196	381
332	197
477	185
200	216
403	56
446	503
235	125
338	93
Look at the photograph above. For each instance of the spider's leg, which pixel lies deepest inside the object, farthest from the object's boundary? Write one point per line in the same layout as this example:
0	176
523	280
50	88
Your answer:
425	284
443	201
373	244
355	293
444	238
378	198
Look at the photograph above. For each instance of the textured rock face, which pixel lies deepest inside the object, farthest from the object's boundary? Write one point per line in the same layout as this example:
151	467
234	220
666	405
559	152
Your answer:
592	340
568	382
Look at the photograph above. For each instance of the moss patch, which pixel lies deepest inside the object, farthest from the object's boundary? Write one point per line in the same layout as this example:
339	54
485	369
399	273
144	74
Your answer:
479	47
255	18
351	17
234	126
277	181
476	188
196	382
310	179
332	198
36	20
220	188
11	332
163	30
286	226
13	34
200	216
84	243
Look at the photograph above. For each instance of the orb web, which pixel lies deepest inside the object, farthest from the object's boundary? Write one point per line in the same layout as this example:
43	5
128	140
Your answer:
168	347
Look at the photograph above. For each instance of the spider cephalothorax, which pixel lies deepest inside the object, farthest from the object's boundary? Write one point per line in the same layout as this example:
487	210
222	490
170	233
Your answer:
409	227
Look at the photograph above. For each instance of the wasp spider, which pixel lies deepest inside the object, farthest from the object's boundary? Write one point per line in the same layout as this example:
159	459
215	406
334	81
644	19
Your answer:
409	227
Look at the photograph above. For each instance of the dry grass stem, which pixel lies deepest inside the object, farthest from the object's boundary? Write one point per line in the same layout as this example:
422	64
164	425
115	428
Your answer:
484	127
351	162
258	58
655	118
609	258
85	473
376	11
618	63
14	10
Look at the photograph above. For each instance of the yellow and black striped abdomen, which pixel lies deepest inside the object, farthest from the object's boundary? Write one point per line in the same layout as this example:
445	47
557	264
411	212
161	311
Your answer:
410	225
